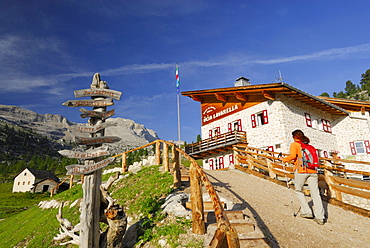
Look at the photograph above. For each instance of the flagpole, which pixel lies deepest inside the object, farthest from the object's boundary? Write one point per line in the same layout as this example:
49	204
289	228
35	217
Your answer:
178	104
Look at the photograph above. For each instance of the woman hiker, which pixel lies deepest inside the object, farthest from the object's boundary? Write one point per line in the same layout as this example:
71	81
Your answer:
303	174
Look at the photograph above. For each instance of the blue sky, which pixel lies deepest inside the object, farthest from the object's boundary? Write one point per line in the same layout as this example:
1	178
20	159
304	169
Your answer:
48	49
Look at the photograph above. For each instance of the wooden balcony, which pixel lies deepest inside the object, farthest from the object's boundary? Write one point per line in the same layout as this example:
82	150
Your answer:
217	144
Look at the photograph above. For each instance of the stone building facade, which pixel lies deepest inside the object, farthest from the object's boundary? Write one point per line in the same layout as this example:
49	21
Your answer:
269	113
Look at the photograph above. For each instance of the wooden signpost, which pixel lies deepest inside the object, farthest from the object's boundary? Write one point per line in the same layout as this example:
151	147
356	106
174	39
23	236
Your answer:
96	140
89	154
98	92
103	115
77	169
101	97
93	129
89	103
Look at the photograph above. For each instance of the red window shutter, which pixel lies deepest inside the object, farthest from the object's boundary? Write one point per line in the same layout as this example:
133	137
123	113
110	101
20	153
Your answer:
270	148
308	119
328	126
218	130
231	159
265	117
240	125
211	163
367	146
326	154
210	133
253	119
221	162
324	126
353	148
229	127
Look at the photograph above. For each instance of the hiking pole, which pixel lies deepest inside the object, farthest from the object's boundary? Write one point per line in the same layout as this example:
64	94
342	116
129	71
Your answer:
287	184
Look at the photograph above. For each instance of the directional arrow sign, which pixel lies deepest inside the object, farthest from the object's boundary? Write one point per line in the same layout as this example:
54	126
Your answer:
103	114
98	92
91	153
77	169
89	103
92	129
96	140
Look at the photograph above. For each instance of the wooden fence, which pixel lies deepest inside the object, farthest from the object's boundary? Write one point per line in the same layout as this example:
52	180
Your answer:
225	234
334	178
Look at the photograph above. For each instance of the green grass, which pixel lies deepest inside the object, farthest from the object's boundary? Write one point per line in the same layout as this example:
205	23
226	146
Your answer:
141	194
13	203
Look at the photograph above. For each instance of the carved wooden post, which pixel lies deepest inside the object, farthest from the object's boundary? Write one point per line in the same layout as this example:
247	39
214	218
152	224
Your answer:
123	162
166	166
176	170
196	198
101	97
158	152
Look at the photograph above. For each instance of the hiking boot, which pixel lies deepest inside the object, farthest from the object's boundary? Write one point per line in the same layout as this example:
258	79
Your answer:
318	221
307	216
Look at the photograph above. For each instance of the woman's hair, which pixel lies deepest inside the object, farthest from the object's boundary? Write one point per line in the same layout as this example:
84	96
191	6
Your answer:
298	134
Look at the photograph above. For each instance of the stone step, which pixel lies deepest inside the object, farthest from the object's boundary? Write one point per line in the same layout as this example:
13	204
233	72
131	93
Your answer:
259	242
210	217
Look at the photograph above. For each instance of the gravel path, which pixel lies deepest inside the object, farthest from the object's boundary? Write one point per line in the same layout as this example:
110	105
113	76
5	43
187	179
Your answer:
271	207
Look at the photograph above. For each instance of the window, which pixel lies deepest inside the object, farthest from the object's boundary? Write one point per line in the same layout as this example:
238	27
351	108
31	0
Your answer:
231	159
325	125
214	132
211	164
360	147
308	119
220	163
259	119
235	126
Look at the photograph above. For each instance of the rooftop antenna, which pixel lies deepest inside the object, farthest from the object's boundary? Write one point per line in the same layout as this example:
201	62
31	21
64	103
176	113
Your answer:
280	78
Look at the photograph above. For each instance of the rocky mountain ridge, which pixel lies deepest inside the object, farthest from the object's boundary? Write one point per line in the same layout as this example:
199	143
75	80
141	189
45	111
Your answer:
59	128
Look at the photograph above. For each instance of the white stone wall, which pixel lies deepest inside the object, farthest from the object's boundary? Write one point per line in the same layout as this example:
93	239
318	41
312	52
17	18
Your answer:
285	115
24	181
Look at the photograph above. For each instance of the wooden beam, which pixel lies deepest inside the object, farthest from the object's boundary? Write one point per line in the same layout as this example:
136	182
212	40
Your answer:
196	98
241	97
268	95
220	97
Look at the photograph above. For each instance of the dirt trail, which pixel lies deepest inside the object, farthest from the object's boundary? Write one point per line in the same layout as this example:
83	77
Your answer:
271	207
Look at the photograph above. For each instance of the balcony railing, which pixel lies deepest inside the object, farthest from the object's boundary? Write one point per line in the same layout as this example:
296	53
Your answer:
219	141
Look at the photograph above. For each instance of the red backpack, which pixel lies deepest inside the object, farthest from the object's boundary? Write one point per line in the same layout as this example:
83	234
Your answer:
310	159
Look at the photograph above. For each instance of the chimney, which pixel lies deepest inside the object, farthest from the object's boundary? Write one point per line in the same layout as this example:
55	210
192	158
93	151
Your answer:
242	81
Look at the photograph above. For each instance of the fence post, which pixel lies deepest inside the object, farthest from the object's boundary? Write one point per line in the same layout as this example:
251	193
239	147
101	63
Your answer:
270	167
165	157
123	162
176	169
249	160
236	160
71	181
196	199
332	193
158	152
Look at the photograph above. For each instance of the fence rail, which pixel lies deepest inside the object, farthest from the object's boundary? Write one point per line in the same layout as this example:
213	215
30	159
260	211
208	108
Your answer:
334	183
